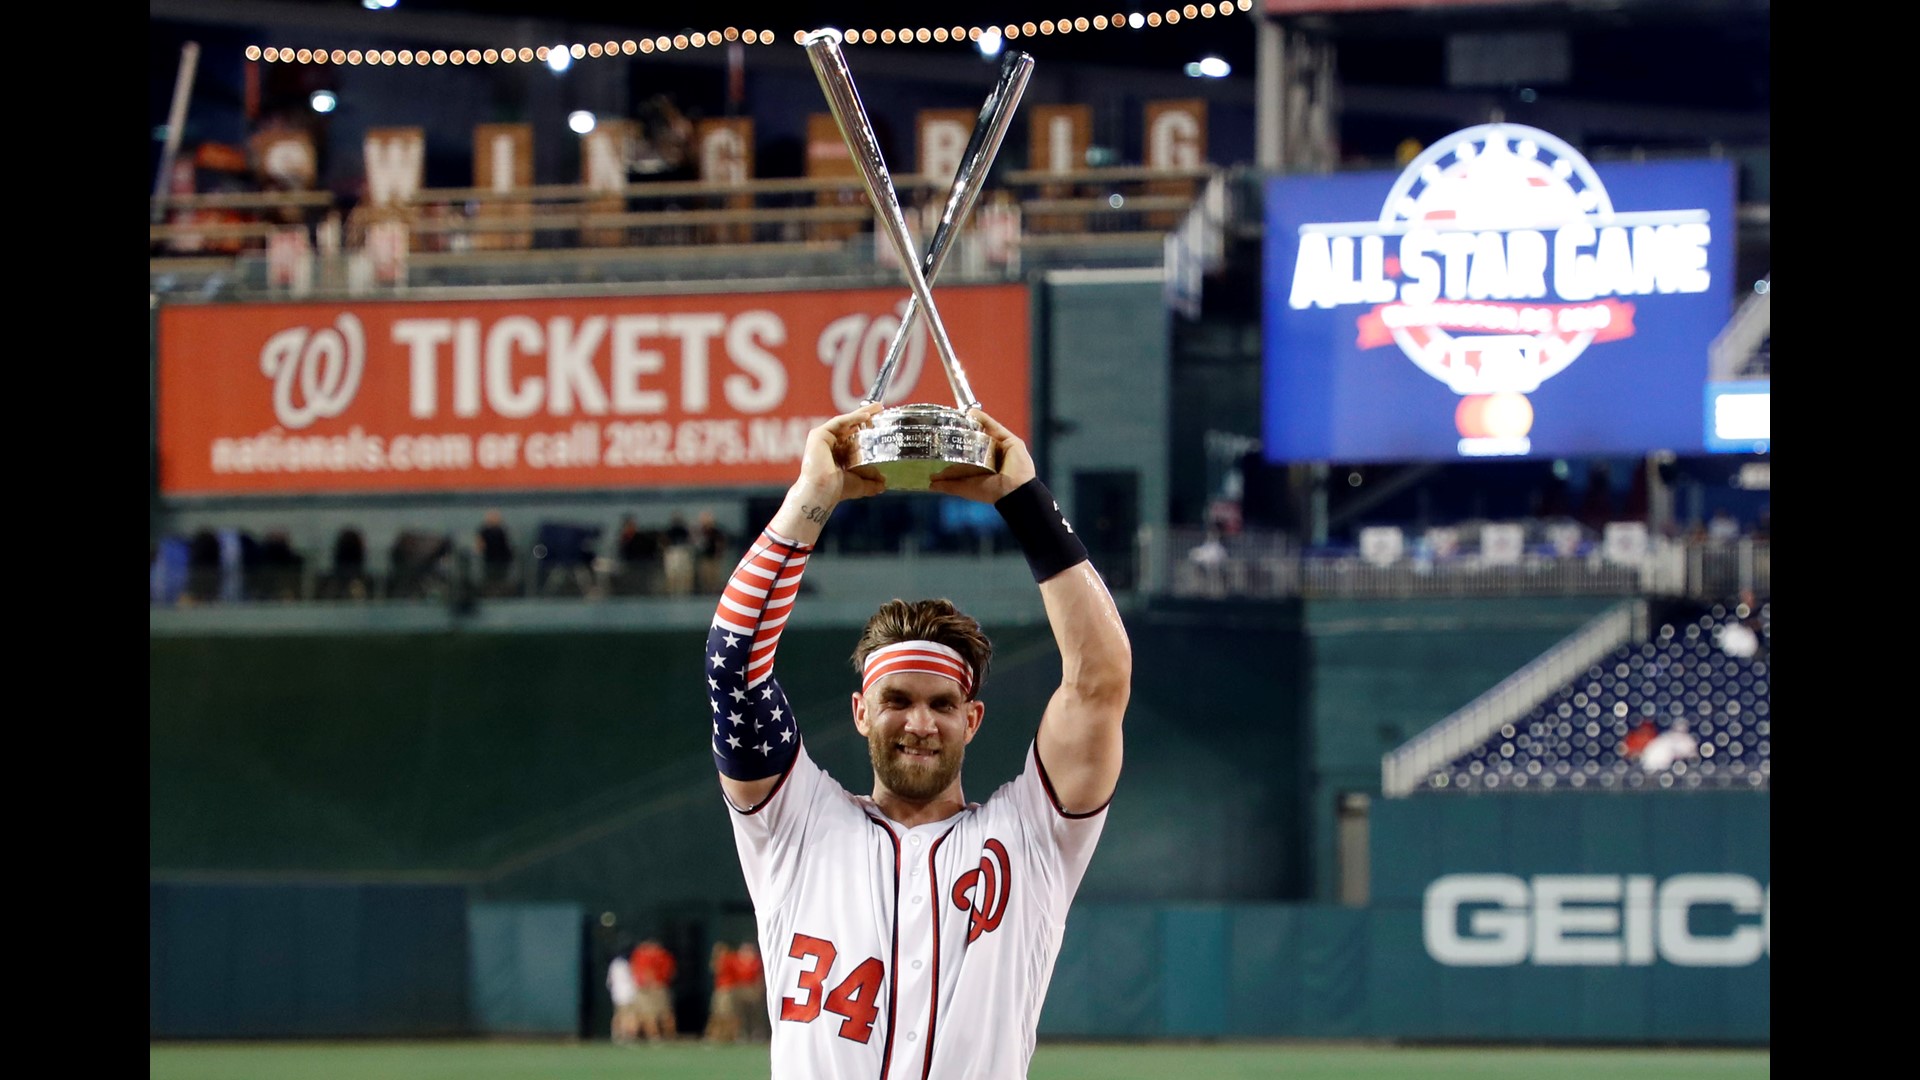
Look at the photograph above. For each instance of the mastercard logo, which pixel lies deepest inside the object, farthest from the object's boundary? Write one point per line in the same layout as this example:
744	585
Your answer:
1503	415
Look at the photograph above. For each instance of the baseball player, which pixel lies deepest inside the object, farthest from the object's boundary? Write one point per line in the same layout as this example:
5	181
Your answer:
911	933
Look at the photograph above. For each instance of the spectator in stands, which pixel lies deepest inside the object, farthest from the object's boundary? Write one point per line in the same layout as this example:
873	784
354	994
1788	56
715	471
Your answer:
239	555
664	150
203	568
168	571
496	555
678	557
1669	748
277	572
1209	558
712	559
723	1017
637	571
564	559
1743	637
1636	741
653	971
349	579
417	564
1737	639
1723	527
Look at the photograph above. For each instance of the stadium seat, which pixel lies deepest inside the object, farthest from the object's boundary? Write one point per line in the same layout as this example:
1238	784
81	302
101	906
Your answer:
563	559
417	565
1597	731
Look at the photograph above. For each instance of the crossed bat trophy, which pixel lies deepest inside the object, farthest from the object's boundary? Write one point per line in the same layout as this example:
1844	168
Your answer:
909	445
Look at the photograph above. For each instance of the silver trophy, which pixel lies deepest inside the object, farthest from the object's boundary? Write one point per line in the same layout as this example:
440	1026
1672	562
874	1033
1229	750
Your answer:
908	445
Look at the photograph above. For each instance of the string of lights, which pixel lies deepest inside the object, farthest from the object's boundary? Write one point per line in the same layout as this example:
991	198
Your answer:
665	43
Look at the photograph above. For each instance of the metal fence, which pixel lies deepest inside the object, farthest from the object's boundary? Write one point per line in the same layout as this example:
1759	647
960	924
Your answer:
1172	562
267	245
1188	561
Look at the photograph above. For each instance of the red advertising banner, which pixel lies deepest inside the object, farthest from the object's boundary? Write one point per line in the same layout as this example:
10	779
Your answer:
652	391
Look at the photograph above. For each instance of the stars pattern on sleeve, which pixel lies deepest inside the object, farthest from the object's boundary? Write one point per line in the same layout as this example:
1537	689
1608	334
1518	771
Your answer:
741	642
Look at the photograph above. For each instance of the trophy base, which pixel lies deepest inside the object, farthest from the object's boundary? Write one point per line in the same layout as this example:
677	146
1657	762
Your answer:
907	446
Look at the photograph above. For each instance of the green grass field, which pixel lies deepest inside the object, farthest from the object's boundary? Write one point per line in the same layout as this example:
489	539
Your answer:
1053	1061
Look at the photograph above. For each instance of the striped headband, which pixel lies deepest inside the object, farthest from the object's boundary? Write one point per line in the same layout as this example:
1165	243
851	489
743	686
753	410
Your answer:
926	657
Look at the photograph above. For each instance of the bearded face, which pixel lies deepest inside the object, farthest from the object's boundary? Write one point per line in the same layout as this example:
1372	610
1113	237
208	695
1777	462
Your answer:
911	767
917	728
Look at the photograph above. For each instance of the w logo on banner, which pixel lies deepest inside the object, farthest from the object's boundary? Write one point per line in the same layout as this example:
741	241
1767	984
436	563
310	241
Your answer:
990	883
855	346
315	373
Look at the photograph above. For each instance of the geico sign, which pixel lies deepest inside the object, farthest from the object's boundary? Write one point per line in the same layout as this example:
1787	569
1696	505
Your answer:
1603	920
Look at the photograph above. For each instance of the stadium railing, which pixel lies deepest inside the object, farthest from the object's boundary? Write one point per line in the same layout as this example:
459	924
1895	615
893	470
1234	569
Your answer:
1271	564
1403	771
1253	565
574	235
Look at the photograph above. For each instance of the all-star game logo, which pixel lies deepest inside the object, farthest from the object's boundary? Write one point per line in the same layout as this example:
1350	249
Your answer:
1497	261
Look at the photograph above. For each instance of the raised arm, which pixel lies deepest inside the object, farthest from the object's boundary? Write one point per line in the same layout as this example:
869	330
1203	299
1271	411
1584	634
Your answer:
754	734
1079	739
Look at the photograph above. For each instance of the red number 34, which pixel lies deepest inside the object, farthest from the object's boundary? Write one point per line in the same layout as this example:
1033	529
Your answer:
854	999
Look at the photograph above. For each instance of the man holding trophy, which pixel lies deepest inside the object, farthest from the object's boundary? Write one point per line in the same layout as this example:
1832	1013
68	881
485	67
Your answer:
910	932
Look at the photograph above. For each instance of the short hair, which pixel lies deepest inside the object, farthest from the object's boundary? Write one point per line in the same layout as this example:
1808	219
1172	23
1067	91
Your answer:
927	620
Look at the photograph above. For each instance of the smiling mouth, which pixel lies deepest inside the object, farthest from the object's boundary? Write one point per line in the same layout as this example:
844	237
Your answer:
916	752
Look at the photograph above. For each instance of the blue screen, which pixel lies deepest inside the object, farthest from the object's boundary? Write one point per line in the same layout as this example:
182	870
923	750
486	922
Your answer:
1472	320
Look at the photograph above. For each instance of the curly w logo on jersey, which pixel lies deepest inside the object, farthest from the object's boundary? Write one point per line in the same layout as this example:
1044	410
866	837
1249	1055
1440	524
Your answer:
984	890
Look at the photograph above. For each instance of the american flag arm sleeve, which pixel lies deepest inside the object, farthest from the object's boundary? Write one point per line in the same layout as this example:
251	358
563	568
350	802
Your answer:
754	733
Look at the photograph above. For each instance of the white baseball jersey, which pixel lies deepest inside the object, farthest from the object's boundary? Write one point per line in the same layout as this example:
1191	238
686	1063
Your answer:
620	984
909	954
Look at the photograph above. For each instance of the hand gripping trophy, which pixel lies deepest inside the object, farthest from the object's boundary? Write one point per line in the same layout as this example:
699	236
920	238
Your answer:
908	445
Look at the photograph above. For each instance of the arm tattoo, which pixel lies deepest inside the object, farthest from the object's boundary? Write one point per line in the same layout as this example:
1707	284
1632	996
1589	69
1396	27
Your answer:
815	514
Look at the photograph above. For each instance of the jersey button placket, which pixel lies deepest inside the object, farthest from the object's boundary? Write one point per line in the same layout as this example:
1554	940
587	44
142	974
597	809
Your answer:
915	976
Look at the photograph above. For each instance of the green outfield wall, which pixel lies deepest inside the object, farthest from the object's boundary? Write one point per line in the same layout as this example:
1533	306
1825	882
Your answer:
1640	918
1612	918
490	796
306	959
573	767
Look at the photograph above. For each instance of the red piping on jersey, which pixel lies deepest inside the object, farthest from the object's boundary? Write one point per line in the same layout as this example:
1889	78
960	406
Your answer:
784	773
893	963
1047	783
933	999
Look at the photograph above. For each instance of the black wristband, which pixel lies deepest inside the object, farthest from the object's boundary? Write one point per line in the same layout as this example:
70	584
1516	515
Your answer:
1048	542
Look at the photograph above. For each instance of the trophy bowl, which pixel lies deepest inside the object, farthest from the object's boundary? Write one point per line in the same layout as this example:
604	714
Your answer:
908	445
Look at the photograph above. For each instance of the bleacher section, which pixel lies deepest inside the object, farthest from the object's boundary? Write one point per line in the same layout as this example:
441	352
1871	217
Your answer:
1686	709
